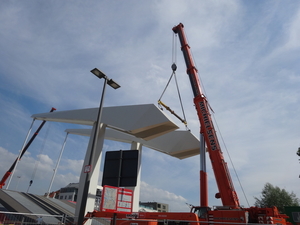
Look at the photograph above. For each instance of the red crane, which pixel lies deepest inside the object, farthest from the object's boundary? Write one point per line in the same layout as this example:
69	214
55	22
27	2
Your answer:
231	212
227	192
226	189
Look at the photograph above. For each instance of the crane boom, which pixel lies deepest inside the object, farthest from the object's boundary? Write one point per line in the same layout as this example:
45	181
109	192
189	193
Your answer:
226	189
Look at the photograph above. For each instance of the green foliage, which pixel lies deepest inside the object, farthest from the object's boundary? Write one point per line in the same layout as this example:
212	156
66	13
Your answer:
274	196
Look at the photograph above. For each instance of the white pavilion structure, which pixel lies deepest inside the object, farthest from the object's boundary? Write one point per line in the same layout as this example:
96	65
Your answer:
141	125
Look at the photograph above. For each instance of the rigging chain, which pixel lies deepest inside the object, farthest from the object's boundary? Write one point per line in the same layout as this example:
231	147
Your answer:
174	67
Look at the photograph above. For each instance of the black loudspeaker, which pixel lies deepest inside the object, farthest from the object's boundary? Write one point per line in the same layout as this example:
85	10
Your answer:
120	168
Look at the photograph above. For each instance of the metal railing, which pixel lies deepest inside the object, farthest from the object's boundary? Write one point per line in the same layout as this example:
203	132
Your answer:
15	218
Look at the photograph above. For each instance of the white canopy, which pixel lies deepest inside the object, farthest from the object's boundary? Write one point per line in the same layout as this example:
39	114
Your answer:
145	124
180	144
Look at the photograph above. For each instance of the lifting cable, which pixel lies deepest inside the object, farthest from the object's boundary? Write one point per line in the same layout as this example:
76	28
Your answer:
38	161
215	122
220	133
236	174
174	67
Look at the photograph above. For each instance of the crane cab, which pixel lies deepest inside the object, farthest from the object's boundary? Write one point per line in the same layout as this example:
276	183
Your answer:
201	211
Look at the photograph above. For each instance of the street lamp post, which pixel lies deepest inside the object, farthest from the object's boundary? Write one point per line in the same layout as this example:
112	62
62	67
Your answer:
88	168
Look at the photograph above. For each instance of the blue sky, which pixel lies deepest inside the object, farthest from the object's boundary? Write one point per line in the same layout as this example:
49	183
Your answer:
247	55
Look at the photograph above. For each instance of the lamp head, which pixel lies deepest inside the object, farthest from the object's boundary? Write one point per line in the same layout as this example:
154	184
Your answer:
113	84
98	73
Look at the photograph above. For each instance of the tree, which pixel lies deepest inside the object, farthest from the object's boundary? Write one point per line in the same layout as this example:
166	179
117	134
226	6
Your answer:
274	196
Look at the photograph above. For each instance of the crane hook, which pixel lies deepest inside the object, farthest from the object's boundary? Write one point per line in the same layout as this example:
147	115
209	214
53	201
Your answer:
174	67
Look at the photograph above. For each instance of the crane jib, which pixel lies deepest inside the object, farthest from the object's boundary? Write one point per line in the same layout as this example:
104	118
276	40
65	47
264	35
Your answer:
207	129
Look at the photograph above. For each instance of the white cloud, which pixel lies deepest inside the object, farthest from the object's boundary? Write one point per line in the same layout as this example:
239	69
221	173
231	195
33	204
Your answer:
293	32
150	193
73	165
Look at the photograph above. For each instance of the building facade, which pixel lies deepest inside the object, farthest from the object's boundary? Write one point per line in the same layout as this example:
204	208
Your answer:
70	193
155	206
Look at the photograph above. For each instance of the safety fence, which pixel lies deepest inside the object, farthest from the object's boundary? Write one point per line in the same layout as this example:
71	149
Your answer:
14	218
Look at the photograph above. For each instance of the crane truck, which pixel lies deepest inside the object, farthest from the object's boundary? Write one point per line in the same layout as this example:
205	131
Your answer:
230	212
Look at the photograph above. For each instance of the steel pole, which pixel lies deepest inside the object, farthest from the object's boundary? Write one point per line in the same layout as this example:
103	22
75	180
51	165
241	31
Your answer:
94	145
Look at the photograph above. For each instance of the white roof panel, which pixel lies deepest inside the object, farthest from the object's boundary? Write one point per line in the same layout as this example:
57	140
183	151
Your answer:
180	144
143	121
